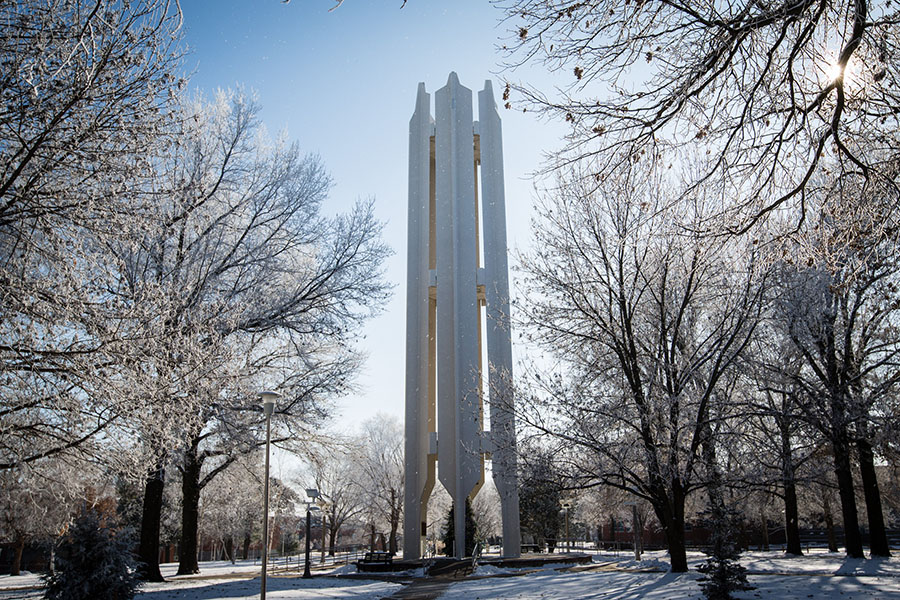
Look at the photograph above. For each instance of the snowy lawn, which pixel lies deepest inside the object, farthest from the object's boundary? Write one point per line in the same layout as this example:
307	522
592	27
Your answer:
277	588
240	581
667	586
818	575
226	581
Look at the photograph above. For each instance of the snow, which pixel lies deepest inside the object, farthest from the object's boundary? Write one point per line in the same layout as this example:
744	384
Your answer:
239	581
819	575
24	580
344	570
218	568
487	570
561	585
277	587
776	576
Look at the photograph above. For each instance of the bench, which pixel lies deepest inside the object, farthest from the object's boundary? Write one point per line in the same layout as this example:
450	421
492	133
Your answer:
377	558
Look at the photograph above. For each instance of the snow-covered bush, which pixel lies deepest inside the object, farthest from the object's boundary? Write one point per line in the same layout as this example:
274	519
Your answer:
93	562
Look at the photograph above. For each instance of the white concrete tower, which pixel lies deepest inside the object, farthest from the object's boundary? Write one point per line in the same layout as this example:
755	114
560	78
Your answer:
446	290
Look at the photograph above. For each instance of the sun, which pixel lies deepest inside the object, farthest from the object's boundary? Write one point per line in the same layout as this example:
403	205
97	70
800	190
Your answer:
847	73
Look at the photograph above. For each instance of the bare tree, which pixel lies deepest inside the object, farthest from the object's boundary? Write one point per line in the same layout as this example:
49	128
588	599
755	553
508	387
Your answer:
230	506
769	91
486	511
380	462
36	504
649	320
86	88
838	307
241	284
775	446
779	444
335	473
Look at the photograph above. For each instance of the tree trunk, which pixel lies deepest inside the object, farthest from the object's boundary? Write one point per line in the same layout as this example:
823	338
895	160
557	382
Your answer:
395	522
372	537
878	542
229	549
670	512
844	474
148	550
392	540
612	528
640	536
675	541
190	512
324	528
764	526
19	549
791	518
829	523
246	546
332	537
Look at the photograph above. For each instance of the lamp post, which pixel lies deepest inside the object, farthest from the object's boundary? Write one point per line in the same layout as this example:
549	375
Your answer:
566	505
636	527
322	552
324	503
268	400
311	495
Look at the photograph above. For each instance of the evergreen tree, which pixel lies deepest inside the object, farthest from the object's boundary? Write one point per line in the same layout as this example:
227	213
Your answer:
93	562
448	535
539	496
723	574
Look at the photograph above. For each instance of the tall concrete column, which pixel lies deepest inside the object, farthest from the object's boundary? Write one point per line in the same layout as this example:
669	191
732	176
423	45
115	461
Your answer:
420	413
446	289
459	451
499	342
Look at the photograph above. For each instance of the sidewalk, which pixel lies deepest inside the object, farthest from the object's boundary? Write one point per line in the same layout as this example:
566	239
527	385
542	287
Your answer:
422	589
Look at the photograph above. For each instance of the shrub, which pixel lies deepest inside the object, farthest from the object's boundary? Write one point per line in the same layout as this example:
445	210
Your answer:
93	562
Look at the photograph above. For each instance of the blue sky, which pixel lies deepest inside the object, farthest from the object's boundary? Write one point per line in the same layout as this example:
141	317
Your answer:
343	84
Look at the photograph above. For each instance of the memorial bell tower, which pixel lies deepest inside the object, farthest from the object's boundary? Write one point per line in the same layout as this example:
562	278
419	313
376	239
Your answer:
457	301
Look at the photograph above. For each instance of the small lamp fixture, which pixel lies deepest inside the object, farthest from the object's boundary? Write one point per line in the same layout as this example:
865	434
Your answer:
268	399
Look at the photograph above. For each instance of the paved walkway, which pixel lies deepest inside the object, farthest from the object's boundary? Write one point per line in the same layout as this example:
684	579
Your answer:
422	589
430	588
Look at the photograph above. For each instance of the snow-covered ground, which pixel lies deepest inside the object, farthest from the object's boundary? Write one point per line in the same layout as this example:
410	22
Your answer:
277	588
818	575
223	580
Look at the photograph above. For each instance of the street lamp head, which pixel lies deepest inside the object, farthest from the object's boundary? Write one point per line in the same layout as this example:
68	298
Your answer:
268	399
312	493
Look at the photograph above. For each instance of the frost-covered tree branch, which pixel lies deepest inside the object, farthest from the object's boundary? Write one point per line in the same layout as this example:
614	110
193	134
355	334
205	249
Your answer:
763	90
87	87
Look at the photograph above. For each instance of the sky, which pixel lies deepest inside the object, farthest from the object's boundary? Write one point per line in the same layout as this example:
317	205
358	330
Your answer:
342	83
